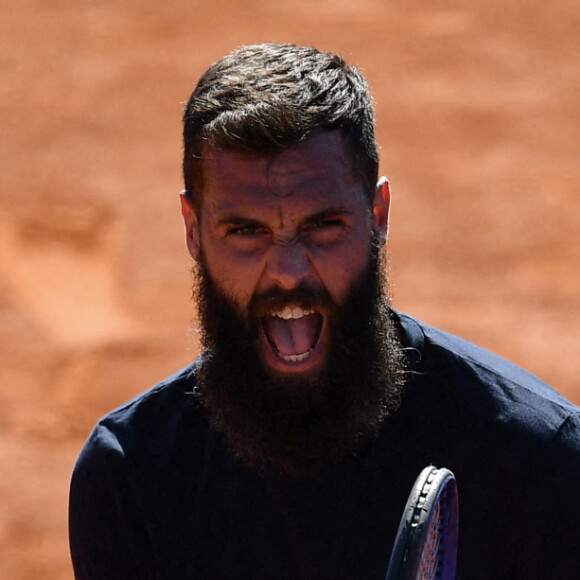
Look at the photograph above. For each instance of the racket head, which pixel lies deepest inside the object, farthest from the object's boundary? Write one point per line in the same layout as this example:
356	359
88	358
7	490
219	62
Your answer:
425	547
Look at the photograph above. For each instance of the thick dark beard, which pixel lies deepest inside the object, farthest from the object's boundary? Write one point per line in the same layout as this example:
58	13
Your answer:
297	425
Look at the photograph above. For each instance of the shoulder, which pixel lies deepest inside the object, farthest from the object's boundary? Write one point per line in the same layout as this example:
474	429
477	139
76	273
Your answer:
168	396
481	389
447	357
148	425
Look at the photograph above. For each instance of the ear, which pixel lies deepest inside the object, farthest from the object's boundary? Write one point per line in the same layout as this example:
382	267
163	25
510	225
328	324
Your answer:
381	205
191	226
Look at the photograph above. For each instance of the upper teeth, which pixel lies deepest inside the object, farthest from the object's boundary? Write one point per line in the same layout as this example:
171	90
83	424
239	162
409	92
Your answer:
292	312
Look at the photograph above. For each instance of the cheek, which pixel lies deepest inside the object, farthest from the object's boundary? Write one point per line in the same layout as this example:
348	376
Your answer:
236	275
339	268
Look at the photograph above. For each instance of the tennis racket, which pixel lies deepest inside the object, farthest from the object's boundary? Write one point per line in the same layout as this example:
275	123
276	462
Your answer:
426	543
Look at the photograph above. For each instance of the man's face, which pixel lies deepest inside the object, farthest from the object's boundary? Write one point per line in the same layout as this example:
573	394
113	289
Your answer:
285	237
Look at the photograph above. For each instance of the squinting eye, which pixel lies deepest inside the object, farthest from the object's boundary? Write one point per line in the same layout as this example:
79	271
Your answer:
243	231
324	224
325	231
246	233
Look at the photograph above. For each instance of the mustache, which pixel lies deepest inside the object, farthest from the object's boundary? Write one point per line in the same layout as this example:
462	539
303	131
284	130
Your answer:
304	296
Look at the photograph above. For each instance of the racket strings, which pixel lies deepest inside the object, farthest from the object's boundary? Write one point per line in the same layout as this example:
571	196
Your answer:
431	563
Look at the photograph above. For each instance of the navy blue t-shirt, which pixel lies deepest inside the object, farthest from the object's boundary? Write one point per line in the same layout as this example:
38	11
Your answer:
156	494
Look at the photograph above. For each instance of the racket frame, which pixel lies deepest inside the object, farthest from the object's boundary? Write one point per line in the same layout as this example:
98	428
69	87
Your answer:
434	489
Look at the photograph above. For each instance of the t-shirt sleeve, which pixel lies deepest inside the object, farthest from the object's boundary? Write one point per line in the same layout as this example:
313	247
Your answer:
107	526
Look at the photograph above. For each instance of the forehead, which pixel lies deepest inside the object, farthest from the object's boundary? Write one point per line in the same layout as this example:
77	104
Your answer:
318	170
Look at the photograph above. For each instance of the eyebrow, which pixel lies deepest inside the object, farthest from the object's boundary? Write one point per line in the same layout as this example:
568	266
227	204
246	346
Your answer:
331	212
233	219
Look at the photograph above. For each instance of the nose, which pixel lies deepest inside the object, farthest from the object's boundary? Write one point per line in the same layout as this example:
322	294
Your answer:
287	265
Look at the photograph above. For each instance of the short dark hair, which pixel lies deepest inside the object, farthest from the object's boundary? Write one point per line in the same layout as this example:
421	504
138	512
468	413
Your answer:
263	98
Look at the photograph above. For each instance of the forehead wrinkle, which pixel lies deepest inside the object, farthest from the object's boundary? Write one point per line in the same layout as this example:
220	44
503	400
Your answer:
272	181
286	173
283	183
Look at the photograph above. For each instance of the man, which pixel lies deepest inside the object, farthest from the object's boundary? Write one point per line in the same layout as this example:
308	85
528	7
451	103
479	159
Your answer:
288	449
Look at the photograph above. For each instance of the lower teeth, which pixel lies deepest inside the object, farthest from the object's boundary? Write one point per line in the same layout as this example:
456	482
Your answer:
294	357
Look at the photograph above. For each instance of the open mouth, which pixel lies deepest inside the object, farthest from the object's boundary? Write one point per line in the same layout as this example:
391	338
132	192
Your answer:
293	333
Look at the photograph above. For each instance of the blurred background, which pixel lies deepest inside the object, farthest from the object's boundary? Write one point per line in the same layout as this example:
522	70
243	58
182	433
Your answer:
479	121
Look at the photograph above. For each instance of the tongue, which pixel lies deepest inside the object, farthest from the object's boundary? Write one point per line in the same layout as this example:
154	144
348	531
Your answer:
293	336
